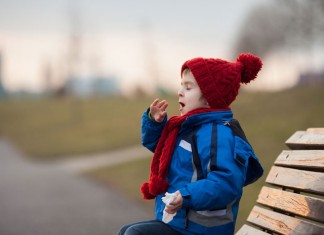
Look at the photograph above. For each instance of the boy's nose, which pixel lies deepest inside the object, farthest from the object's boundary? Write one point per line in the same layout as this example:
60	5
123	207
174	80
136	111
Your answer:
180	93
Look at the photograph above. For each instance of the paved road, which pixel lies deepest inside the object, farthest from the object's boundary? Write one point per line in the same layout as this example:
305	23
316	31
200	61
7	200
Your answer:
84	163
48	199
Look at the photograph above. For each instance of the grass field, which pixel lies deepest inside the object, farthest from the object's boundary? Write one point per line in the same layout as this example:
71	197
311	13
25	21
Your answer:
56	128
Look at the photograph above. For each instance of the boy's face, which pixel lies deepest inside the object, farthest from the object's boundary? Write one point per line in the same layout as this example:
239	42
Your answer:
190	95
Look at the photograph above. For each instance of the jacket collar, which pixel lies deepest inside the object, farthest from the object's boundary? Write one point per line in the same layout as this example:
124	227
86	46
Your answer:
218	116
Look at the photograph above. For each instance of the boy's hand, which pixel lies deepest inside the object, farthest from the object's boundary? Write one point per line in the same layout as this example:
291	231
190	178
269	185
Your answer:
175	205
157	110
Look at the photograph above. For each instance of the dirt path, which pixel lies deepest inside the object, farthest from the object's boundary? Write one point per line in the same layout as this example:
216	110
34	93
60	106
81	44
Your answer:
51	199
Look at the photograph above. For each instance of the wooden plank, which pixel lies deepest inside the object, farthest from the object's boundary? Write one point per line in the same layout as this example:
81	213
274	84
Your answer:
282	224
306	140
307	181
305	206
248	230
302	159
315	129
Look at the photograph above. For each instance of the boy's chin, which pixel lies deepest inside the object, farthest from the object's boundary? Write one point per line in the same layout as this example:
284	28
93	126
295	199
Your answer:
183	111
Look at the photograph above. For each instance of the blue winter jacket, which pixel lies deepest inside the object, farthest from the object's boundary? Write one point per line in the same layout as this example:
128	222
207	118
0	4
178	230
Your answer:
211	163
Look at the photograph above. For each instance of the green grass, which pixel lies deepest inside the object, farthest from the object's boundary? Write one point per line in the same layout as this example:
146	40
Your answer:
51	128
127	178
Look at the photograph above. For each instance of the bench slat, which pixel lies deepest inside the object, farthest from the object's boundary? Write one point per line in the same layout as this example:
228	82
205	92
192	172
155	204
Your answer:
305	206
282	224
300	170
306	181
306	140
248	230
302	159
315	129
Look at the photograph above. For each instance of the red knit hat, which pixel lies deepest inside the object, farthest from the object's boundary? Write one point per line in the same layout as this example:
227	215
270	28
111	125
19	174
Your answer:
220	80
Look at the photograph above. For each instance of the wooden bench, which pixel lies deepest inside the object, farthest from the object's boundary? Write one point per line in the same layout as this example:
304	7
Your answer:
292	202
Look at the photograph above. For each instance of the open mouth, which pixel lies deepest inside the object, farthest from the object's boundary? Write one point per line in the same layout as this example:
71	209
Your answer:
181	105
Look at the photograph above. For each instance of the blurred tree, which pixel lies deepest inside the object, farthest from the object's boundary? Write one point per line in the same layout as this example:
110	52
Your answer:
2	89
293	25
47	74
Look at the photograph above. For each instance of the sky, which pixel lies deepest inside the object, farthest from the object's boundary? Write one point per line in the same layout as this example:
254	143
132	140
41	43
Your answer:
140	43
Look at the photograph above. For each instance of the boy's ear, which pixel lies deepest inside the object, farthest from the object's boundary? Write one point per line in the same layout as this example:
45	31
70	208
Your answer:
204	100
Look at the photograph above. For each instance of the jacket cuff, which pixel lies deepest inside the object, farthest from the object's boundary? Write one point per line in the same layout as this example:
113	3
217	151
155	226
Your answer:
186	203
152	121
148	113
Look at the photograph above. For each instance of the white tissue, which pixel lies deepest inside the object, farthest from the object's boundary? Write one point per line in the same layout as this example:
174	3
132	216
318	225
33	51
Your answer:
167	199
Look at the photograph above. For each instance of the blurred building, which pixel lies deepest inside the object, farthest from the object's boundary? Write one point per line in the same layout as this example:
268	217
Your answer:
311	78
91	86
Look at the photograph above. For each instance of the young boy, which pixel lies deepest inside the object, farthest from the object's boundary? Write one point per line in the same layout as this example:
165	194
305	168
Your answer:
202	159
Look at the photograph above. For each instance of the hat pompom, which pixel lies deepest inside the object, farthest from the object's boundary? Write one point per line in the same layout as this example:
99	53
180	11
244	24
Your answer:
146	191
251	66
158	185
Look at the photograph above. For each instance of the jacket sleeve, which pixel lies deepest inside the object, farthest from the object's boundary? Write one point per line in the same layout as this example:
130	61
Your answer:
151	131
224	184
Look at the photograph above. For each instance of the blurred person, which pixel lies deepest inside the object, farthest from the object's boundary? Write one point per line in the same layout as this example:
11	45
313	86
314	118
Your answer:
202	158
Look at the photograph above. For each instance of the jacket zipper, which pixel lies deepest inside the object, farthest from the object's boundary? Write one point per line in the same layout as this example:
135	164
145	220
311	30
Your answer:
187	218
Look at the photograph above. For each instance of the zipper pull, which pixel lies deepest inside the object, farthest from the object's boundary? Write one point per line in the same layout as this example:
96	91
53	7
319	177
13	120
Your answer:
226	123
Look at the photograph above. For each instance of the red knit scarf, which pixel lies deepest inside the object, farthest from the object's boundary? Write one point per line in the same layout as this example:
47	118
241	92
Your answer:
163	153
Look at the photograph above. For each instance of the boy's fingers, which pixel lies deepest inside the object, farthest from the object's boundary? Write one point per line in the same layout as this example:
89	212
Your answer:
168	210
177	201
155	102
164	106
162	115
172	209
161	103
